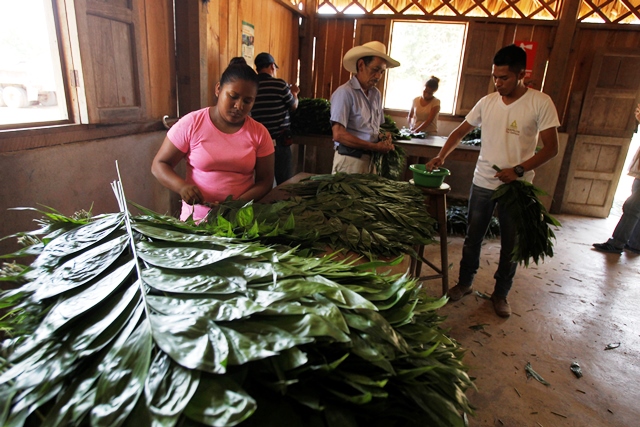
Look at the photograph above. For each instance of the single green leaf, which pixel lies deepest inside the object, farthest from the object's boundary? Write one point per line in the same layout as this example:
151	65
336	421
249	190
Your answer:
79	270
184	257
169	388
219	401
195	343
245	215
121	383
77	240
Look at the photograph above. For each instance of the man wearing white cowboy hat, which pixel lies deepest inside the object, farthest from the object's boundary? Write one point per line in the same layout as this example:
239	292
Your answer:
356	109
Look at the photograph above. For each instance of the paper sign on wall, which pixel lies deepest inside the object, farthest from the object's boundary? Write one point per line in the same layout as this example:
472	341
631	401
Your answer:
248	39
531	48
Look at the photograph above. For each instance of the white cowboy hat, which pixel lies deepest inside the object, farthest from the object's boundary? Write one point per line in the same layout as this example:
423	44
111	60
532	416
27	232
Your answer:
368	49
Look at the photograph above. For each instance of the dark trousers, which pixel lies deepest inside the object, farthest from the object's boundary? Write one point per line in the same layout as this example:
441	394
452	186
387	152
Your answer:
283	163
481	208
627	231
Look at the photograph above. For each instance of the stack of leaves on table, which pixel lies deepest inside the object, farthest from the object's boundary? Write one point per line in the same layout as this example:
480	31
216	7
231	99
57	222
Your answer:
167	325
366	214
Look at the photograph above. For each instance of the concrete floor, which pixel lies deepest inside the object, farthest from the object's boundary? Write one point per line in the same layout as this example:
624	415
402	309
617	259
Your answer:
565	310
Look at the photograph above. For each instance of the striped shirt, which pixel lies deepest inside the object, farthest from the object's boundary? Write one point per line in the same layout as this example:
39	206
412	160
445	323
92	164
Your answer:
272	104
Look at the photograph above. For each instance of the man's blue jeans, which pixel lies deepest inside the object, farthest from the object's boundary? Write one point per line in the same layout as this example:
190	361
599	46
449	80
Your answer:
481	208
628	229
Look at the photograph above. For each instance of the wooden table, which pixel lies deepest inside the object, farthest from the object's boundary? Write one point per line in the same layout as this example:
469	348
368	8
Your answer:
315	152
435	204
430	147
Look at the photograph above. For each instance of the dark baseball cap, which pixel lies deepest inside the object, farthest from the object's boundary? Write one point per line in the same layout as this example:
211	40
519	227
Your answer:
263	60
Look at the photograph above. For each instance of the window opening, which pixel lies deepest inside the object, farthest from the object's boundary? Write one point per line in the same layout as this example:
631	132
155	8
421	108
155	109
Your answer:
425	49
31	83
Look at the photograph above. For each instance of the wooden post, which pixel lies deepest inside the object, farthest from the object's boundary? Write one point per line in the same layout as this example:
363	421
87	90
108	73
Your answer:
559	57
191	63
307	34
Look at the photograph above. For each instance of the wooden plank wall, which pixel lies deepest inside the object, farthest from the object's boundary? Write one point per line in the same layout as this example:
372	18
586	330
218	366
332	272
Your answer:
475	77
586	42
276	31
334	37
541	34
161	87
332	40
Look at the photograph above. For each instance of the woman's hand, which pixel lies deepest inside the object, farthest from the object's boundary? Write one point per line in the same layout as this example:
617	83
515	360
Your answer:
191	194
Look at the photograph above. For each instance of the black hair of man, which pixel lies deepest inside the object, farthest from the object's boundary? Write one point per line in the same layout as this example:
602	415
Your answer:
238	72
513	56
366	59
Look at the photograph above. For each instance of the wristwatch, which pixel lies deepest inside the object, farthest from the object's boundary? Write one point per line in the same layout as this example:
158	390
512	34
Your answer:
519	170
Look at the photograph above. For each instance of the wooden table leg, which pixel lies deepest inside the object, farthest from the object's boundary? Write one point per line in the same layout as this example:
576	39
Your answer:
436	203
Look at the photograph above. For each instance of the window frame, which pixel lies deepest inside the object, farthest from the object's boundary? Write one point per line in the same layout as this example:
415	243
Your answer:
71	34
62	26
458	86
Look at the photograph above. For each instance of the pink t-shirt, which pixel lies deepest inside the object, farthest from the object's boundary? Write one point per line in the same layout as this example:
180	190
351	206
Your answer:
219	164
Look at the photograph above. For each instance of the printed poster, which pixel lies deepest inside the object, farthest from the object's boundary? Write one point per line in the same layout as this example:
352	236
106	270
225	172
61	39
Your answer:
248	39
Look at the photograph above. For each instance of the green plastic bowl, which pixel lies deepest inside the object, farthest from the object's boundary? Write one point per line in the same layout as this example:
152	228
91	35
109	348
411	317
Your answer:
424	178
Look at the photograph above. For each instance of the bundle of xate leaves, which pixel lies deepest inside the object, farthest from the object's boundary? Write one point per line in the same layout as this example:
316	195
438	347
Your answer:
139	321
366	214
534	236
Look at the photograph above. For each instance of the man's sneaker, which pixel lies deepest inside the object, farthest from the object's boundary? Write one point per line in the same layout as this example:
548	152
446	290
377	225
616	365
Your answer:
501	306
458	291
630	249
607	247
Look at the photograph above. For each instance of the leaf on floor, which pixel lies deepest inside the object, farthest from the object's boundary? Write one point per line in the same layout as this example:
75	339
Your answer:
533	374
481	295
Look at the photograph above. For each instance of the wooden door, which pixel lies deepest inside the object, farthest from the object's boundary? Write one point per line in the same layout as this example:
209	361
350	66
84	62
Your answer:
594	173
114	64
605	129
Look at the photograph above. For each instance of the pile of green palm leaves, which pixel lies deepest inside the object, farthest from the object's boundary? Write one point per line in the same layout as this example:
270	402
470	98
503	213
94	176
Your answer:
457	222
312	117
534	236
136	321
391	165
362	213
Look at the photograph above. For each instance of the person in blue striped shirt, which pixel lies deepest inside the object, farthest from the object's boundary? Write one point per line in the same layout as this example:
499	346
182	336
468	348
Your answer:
276	99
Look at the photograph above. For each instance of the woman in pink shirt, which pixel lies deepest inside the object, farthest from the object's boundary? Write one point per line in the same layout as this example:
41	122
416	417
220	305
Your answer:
227	153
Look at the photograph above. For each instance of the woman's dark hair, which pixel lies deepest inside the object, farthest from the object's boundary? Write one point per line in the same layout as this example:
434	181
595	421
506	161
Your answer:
237	60
432	83
238	72
513	56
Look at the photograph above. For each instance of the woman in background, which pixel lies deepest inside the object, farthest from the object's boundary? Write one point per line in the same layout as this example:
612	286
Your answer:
227	153
423	116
